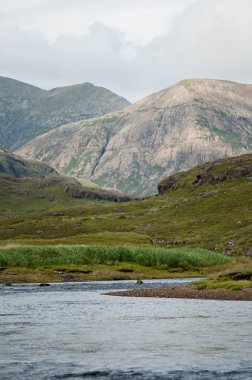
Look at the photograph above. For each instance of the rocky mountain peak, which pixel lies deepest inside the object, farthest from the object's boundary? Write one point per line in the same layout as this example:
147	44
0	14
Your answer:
192	122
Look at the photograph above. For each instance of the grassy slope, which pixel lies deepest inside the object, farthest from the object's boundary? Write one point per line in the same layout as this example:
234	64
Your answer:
216	217
28	186
235	277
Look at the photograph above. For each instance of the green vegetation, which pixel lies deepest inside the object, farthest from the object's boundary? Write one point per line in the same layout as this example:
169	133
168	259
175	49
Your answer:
236	277
215	216
229	138
62	273
34	257
26	186
85	263
216	284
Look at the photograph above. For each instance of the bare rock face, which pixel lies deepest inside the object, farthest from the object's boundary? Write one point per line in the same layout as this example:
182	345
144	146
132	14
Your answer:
169	183
192	122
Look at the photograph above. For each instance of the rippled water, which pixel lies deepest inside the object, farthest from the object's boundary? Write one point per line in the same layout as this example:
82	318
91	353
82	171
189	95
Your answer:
73	331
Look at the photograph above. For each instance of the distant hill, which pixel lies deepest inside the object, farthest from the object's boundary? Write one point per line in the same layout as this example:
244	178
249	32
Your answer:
192	122
33	184
27	111
15	166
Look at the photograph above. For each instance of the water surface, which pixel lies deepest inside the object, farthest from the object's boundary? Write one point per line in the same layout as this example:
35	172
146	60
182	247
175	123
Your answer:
74	331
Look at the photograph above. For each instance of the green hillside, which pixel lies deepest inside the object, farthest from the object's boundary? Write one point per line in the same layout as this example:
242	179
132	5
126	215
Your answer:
210	206
32	186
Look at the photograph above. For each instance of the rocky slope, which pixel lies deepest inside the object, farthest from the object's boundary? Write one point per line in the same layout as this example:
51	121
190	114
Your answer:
27	111
22	178
192	122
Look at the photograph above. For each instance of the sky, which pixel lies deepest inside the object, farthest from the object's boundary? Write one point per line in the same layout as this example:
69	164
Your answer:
132	47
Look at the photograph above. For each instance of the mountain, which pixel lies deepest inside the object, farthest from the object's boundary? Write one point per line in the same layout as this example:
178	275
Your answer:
209	206
25	184
27	111
192	122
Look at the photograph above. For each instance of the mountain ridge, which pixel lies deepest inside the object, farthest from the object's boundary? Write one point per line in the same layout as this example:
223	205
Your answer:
189	123
27	111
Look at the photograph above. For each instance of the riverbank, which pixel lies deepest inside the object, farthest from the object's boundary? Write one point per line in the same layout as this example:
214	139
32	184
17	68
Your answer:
90	273
189	292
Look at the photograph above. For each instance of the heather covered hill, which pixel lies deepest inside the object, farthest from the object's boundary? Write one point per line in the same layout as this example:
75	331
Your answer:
209	206
27	111
192	122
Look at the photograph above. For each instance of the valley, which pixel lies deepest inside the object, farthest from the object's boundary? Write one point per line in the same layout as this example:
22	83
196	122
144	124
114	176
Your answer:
126	190
208	207
199	202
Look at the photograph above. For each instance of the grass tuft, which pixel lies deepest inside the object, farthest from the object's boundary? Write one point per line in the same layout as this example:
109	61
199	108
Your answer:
45	256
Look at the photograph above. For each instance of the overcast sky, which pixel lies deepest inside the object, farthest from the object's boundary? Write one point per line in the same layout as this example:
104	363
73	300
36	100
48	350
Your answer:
133	47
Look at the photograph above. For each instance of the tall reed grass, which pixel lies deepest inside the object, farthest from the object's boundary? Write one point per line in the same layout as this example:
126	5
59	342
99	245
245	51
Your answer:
35	256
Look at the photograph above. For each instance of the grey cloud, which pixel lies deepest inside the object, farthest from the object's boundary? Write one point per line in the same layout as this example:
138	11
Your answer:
211	38
94	57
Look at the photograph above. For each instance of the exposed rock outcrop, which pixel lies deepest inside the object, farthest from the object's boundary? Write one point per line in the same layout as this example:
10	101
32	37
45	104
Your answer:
221	170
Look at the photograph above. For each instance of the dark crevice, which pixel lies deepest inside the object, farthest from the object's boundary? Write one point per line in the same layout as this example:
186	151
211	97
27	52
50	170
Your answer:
102	151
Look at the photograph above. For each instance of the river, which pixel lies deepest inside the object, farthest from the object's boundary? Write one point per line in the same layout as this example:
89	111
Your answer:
74	331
